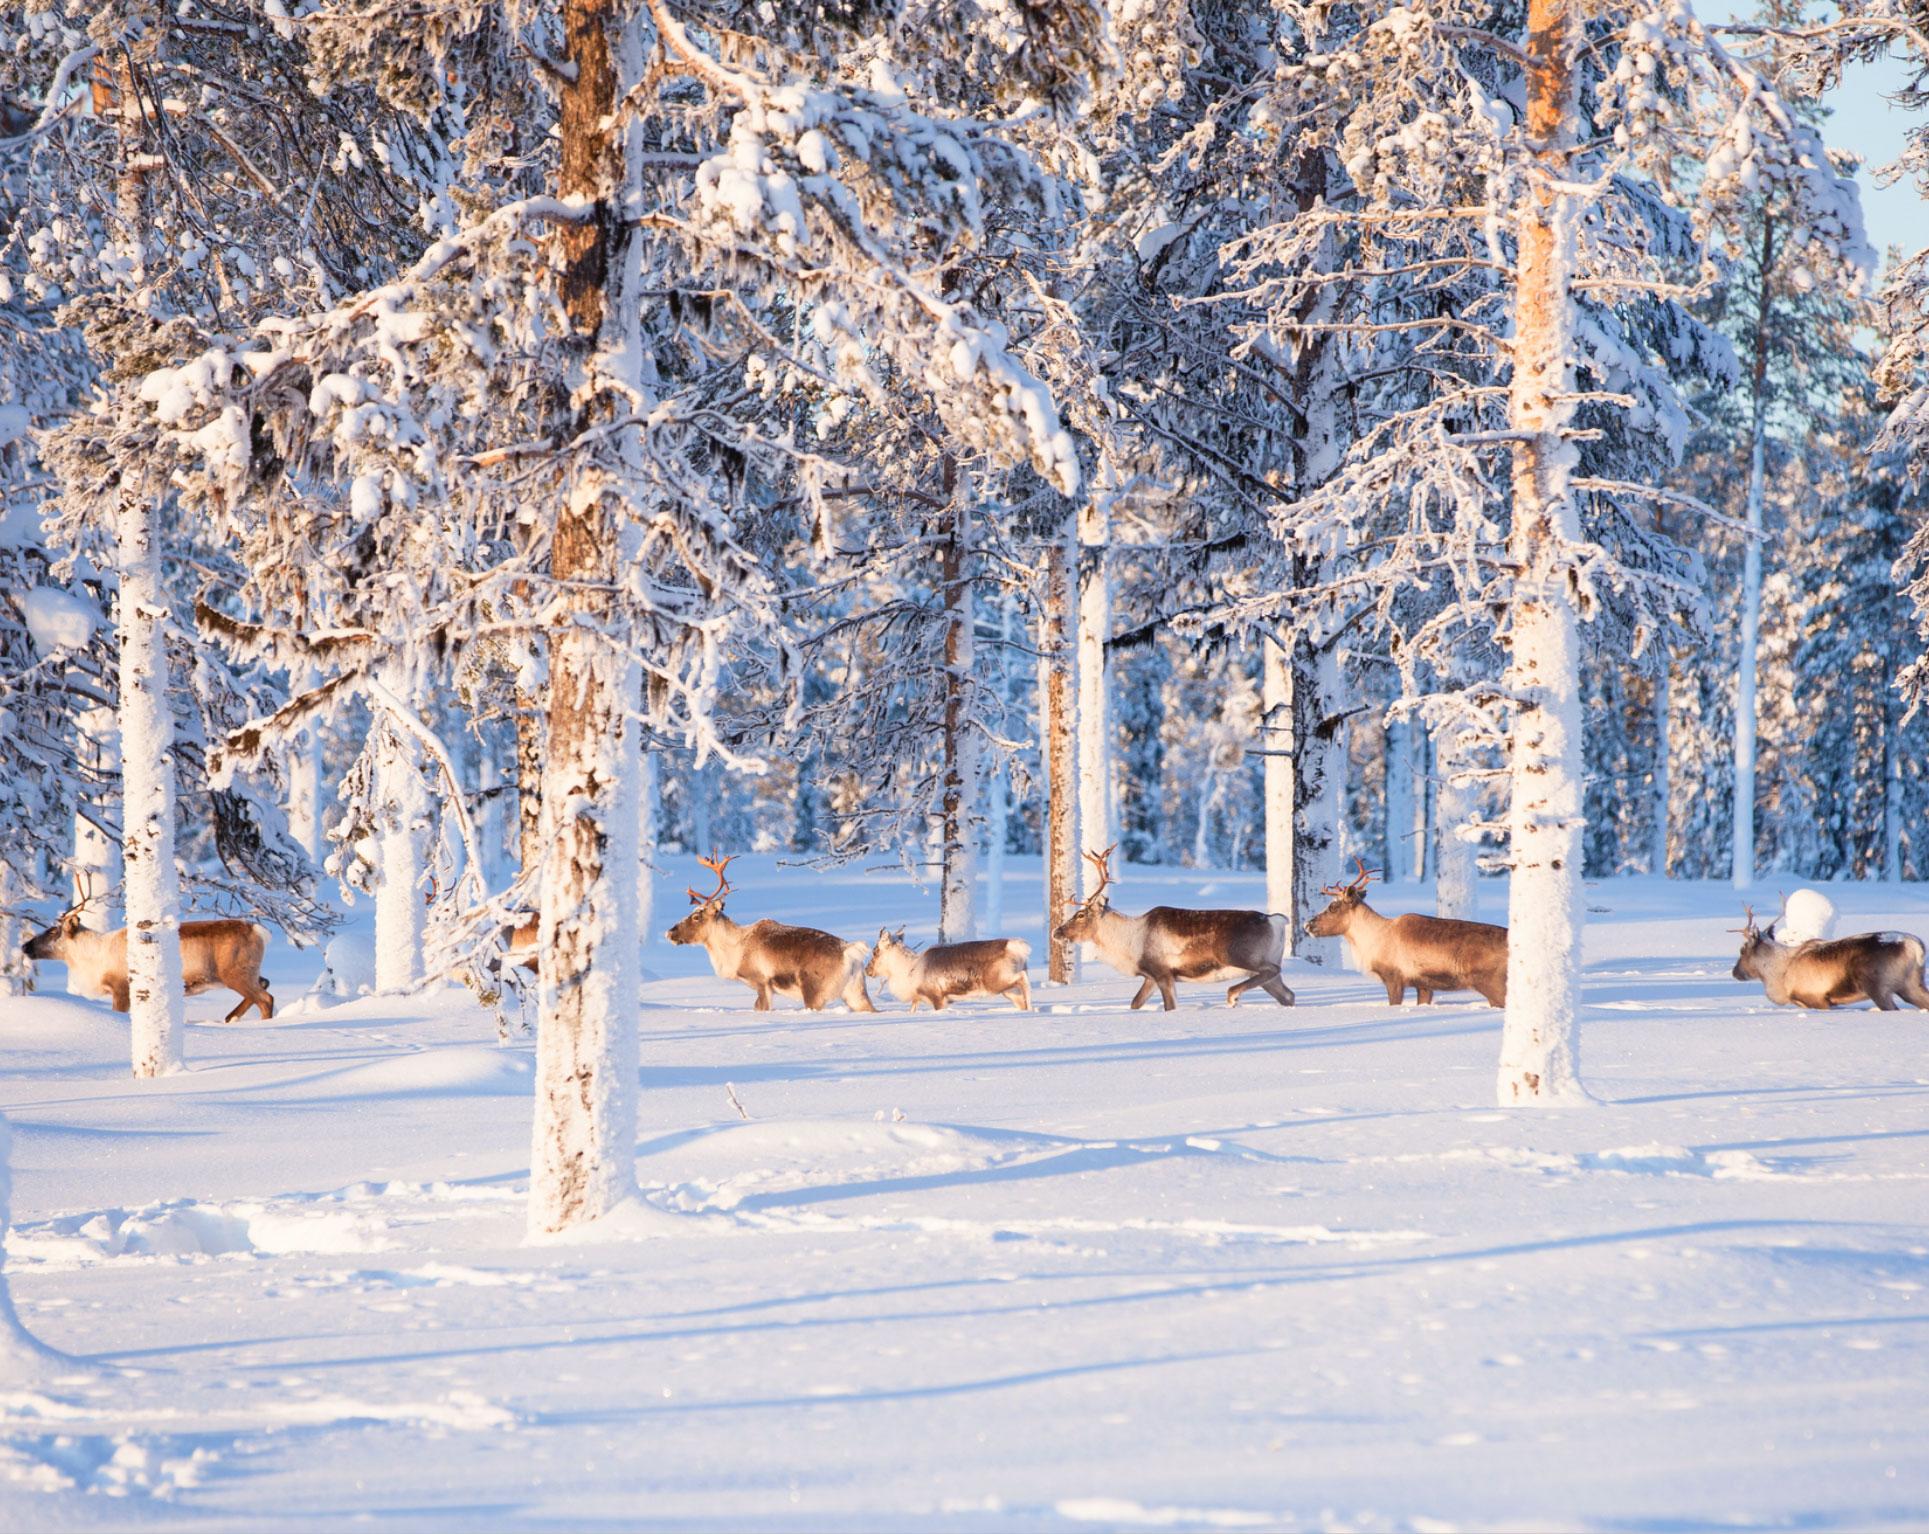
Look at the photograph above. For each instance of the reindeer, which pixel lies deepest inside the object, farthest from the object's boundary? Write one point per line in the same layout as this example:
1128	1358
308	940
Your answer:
212	953
992	967
1429	953
1832	972
1168	944
768	956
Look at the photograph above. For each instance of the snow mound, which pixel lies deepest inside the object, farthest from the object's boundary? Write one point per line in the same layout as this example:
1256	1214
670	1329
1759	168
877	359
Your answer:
348	971
1808	917
740	1162
475	1071
187	1230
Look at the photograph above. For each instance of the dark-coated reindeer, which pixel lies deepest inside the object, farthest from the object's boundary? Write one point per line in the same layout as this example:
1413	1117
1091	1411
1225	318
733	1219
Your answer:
946	972
1832	972
1429	953
223	952
1168	943
768	956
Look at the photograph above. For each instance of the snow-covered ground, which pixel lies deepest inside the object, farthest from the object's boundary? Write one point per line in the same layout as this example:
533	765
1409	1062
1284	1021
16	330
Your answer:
1088	1267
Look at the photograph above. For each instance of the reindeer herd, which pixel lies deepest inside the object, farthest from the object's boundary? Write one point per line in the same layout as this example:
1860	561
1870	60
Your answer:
1158	948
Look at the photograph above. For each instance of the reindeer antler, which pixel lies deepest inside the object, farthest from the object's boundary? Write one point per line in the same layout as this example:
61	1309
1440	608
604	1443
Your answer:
1748	918
716	863
1099	860
1357	884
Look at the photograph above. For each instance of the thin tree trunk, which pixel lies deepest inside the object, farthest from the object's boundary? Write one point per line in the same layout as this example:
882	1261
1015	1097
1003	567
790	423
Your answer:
305	778
16	969
1061	759
1742	856
1398	775
1891	794
401	843
997	790
1540	1039
489	799
152	883
1095	816
648	832
959	777
97	856
1456	865
1276	738
583	1140
1662	786
529	781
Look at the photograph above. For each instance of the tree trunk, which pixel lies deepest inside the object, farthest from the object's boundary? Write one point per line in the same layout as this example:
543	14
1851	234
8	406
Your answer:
648	832
1891	792
152	889
583	1140
1094	725
529	781
1276	739
1401	840
1061	759
305	778
1540	1039
401	843
1662	786
997	790
958	779
1742	856
489	801
16	969
1456	863
97	856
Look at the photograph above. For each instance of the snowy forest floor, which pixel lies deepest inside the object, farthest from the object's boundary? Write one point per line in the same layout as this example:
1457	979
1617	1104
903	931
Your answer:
1213	1269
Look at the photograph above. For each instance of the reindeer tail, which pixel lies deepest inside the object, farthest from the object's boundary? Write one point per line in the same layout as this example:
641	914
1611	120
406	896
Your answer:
1019	950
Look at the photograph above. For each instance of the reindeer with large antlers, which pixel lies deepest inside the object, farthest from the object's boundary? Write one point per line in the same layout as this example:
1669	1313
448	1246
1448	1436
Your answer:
1832	972
1168	943
768	956
1429	953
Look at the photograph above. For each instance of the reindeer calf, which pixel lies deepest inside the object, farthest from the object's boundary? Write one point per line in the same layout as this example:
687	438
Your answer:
1429	953
1833	972
213	953
946	971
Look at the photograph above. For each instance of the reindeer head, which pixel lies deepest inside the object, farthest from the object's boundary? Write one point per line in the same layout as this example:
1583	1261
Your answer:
1082	925
890	949
709	908
1346	899
1755	943
52	944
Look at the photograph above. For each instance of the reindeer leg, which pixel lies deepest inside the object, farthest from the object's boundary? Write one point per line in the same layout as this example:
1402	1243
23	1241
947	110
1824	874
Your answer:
1913	992
1145	990
763	997
123	1001
1425	995
1277	988
1884	1000
239	1007
1165	990
1396	990
1020	993
266	1002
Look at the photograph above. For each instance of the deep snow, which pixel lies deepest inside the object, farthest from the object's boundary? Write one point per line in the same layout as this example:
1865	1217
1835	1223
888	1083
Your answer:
1089	1267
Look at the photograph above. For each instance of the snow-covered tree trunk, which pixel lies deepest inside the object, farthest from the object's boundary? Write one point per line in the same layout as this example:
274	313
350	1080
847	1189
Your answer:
1540	1038
1094	714
1319	784
1742	857
305	778
152	884
489	798
1661	786
97	857
1401	839
1458	804
997	789
16	969
958	779
529	780
1055	709
583	1153
1891	792
649	805
401	843
1276	740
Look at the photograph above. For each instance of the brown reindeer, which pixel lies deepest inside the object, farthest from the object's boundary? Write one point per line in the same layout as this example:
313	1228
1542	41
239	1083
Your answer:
1832	972
767	956
989	967
1169	943
212	953
1429	953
